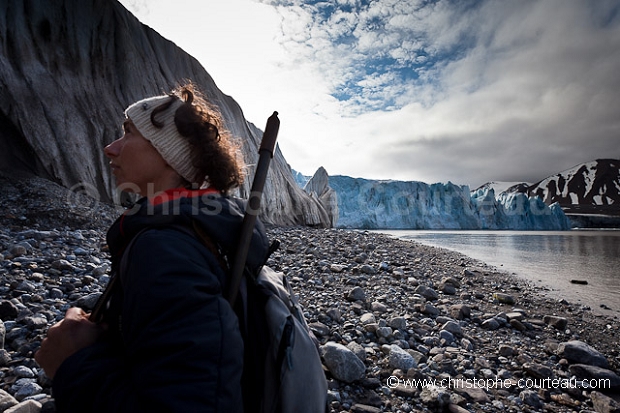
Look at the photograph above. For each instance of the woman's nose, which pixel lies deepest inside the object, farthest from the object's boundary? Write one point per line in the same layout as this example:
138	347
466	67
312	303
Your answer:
113	149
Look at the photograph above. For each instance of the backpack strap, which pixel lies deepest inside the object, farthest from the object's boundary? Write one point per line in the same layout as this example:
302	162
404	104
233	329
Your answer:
103	302
196	231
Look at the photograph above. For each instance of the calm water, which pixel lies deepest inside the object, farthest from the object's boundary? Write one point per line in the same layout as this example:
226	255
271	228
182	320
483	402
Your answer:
549	259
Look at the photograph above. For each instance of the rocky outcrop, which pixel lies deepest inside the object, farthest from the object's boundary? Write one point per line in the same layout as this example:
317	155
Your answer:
68	68
318	187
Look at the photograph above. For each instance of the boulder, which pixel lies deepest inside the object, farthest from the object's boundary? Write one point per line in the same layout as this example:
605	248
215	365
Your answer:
400	359
603	403
559	323
342	363
531	398
576	351
604	378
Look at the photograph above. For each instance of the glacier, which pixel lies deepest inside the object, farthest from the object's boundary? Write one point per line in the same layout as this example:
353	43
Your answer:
388	204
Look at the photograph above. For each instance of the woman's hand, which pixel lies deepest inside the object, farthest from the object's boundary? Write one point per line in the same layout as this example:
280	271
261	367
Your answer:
65	338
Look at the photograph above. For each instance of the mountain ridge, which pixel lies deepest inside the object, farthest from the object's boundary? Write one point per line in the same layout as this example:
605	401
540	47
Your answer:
591	187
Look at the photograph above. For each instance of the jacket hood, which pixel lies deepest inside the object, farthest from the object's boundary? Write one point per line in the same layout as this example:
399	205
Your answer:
219	216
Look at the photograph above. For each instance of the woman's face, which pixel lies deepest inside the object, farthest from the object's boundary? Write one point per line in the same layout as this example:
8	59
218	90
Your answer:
136	164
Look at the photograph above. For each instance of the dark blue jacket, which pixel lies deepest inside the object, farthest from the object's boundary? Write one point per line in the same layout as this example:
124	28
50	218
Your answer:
174	343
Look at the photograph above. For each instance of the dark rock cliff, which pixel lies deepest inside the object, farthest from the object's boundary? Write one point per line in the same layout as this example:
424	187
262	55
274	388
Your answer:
68	68
592	187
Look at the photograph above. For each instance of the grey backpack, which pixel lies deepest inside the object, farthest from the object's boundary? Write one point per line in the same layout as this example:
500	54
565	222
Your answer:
282	366
282	370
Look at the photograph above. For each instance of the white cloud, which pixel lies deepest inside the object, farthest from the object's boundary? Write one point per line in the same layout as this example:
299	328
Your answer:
463	91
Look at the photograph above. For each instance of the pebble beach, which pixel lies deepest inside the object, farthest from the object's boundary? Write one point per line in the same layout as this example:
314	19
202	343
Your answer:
403	327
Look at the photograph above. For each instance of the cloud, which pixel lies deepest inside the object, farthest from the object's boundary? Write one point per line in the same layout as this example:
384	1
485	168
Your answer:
469	90
432	90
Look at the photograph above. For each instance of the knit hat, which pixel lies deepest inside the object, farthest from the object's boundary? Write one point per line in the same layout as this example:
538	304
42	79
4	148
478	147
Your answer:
173	147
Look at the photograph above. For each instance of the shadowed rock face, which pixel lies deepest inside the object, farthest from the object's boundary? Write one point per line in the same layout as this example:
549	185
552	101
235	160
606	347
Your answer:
68	68
318	186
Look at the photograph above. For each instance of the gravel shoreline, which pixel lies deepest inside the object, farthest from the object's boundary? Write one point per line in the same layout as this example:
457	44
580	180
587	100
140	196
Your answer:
389	314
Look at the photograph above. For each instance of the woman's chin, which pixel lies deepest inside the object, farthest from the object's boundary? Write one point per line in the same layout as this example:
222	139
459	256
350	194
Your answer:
122	186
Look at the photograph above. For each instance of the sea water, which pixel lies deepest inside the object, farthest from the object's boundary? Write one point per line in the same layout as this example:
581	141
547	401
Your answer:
552	260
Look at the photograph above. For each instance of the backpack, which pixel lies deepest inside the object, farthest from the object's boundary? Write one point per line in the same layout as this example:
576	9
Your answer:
282	367
282	370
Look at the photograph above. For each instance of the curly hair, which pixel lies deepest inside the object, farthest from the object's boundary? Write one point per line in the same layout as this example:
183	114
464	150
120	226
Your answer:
214	153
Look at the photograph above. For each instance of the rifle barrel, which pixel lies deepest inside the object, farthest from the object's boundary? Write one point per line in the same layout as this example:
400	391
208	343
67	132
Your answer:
265	152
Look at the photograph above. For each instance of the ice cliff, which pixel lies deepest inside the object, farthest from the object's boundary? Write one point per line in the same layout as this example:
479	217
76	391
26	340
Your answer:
373	204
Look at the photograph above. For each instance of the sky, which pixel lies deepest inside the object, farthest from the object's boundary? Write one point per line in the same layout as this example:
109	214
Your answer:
467	91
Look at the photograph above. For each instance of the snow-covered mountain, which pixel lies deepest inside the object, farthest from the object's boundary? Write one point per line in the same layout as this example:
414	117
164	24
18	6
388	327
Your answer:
500	186
591	187
588	193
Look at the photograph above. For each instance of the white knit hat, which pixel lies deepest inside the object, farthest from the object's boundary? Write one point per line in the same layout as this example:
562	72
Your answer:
173	147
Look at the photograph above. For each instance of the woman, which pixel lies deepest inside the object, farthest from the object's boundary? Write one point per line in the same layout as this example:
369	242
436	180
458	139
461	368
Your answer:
169	341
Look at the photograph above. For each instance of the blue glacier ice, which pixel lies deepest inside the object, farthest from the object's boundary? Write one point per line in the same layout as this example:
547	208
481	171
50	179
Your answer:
387	204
